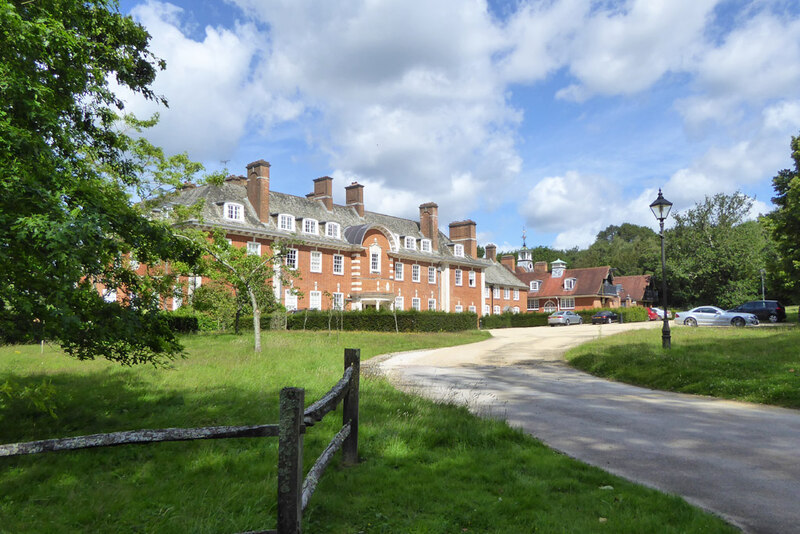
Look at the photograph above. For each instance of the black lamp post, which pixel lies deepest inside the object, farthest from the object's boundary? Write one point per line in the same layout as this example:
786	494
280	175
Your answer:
660	208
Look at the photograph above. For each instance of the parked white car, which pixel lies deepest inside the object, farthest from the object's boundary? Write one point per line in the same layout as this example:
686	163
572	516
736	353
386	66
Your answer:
565	318
713	316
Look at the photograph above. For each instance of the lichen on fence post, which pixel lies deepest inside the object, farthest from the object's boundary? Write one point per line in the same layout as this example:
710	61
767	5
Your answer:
350	406
290	461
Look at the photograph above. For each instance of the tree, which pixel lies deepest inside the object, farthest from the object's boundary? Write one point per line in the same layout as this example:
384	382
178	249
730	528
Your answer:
67	222
784	223
629	248
714	254
249	275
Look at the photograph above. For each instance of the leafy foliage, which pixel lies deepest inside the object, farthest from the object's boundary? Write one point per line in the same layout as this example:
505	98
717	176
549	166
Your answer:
785	224
630	249
66	220
714	254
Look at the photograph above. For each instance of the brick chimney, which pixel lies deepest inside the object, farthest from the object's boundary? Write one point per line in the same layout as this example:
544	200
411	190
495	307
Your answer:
429	223
540	267
323	190
258	188
509	261
354	196
491	251
464	233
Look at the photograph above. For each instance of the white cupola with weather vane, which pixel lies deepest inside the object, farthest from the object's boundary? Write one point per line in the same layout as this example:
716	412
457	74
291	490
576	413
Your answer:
557	268
525	256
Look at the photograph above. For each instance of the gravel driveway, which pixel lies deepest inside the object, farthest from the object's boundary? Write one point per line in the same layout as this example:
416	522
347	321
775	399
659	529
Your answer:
737	460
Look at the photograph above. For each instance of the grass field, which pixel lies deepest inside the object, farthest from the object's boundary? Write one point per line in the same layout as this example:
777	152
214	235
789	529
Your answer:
426	467
747	364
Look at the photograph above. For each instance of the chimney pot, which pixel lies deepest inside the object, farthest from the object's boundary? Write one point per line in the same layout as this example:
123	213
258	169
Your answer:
354	196
258	188
491	251
464	233
429	223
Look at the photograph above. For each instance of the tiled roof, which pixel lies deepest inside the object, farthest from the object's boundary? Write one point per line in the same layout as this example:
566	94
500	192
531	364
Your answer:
633	286
352	225
498	275
588	281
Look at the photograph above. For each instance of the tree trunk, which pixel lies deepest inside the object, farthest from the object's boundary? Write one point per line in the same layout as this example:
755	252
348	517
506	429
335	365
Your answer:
256	320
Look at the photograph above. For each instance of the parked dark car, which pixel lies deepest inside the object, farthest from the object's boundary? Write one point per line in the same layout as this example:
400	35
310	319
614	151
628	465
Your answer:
767	311
605	317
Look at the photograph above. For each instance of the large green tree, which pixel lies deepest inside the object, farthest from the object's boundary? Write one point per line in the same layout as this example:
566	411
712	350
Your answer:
66	174
628	248
785	224
715	254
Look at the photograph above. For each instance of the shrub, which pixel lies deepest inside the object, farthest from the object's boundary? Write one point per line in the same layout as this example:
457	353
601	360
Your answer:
372	320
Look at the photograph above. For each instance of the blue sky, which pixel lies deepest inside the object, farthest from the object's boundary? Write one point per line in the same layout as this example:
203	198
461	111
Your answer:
562	116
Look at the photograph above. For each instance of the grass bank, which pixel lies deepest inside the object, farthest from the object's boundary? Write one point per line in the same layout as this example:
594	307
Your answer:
748	364
426	467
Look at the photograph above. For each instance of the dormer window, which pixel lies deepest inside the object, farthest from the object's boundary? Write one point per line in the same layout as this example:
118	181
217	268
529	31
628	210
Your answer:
535	285
286	222
310	226
458	250
425	245
332	229
569	284
233	211
410	243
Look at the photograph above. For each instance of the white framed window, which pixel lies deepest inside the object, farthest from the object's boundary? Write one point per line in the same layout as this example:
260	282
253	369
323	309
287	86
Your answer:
569	284
497	292
431	275
338	264
425	245
487	310
315	300
459	277
399	303
515	309
291	258
110	295
506	293
310	226
549	306
410	243
398	271
471	279
516	294
333	230
194	282
415	303
253	248
133	263
566	303
315	265
177	298
338	301
432	304
286	222
459	308
290	299
458	250
375	261
496	310
533	304
472	309
415	273
233	211
535	285
487	292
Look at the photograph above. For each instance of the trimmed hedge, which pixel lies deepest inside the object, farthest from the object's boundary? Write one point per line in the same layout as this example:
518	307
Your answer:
371	320
183	324
519	320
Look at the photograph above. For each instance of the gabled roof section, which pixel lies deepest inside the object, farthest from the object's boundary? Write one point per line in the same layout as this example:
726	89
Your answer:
498	275
633	286
588	281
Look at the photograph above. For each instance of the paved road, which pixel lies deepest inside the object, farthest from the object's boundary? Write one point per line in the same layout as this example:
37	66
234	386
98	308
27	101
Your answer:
738	460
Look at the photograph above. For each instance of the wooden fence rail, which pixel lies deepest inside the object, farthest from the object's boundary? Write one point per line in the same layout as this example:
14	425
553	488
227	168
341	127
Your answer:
294	492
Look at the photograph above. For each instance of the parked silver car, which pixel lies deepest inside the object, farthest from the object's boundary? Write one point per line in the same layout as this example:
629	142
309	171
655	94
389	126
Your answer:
713	316
565	317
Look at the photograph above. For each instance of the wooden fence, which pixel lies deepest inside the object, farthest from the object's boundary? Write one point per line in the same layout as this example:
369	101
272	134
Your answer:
294	492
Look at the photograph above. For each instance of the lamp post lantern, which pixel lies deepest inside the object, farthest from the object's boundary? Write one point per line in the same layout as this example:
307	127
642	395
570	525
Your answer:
660	208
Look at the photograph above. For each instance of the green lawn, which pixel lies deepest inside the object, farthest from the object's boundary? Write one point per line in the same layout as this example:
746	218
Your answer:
748	364
426	467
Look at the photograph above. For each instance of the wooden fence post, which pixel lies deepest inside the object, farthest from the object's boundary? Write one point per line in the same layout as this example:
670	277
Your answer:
350	406
290	461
